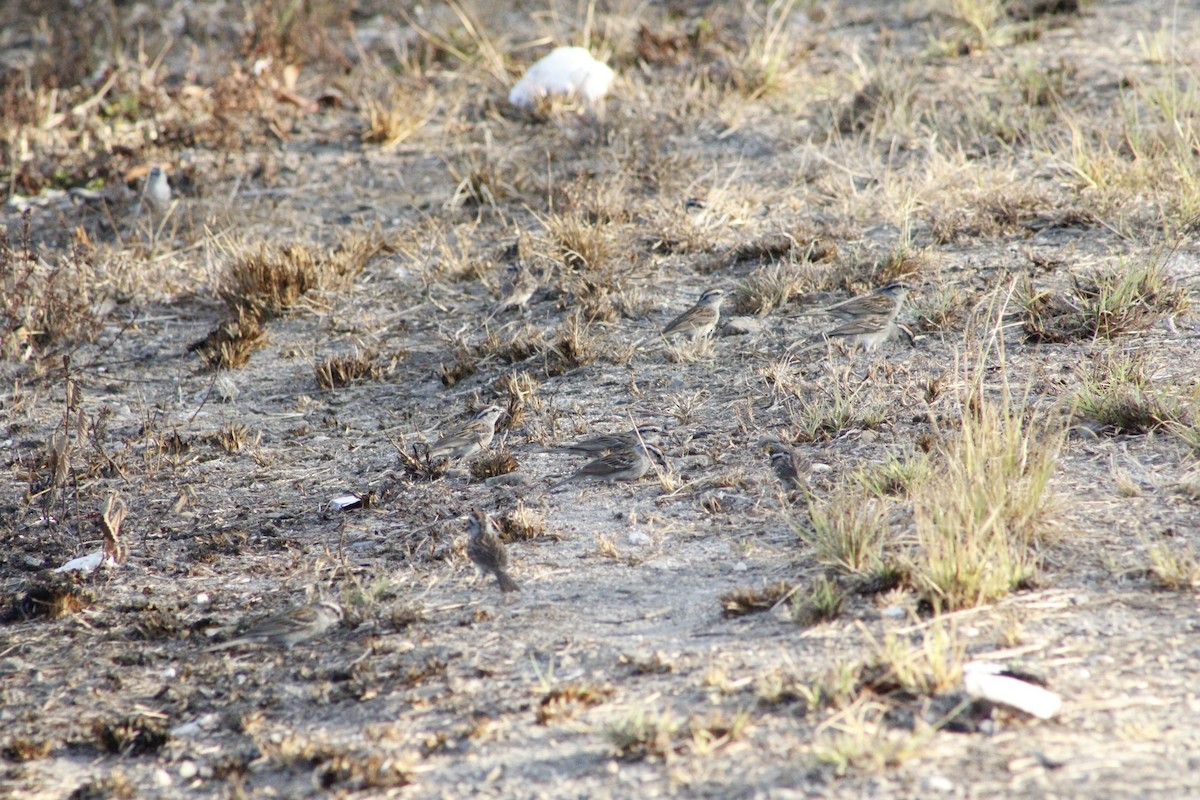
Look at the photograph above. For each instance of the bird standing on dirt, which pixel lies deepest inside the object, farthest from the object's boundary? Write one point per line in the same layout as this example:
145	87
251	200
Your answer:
517	289
156	192
608	442
884	302
626	464
790	467
467	440
869	332
289	628
699	320
487	552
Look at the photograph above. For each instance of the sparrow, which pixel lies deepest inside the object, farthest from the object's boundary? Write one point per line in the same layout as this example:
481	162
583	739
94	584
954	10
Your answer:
288	628
626	464
790	466
156	191
519	285
869	332
608	442
699	320
487	552
468	439
883	302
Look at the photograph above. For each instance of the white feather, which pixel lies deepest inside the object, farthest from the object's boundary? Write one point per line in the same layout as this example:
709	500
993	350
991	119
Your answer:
564	71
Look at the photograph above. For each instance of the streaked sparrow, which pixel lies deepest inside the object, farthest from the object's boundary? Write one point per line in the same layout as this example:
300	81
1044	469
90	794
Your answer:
883	302
518	287
468	439
289	628
156	191
699	320
608	442
487	552
790	466
627	464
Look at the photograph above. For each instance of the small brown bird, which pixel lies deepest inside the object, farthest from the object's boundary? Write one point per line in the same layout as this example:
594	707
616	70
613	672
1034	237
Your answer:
699	320
517	289
790	466
626	464
289	628
869	332
883	302
487	552
467	440
608	442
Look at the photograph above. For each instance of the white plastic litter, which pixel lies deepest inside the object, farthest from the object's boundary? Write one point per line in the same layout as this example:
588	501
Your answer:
564	71
345	502
85	564
981	681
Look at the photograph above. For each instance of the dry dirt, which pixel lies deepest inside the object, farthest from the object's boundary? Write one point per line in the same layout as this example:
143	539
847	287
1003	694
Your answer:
896	141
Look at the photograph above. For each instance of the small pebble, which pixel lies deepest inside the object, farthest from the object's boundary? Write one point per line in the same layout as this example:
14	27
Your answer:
508	479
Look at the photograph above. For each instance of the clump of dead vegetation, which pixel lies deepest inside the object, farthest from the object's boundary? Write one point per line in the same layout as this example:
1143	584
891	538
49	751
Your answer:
523	524
974	534
357	367
1112	301
265	282
493	464
562	702
46	306
50	596
739	602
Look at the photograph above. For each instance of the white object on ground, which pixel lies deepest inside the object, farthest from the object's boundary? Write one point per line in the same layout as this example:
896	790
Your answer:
982	682
564	71
85	564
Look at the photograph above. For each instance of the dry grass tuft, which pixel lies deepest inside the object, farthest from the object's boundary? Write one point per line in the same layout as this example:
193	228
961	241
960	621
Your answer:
1174	567
640	736
1119	299
562	702
43	305
391	123
343	370
229	345
419	466
523	524
1119	393
493	464
739	602
847	529
135	736
52	596
465	364
978	526
21	749
823	601
331	764
580	244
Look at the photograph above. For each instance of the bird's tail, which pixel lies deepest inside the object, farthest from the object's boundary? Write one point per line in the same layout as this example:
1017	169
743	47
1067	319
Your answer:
507	584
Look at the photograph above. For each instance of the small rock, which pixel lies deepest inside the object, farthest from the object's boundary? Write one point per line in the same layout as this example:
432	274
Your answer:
938	783
187	770
894	612
740	566
202	599
162	778
638	538
741	326
508	479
